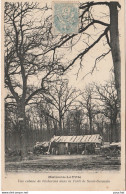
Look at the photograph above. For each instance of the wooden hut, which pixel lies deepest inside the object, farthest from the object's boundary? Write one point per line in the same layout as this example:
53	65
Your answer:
83	144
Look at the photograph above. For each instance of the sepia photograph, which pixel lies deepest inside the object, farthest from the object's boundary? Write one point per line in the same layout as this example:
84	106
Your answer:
62	87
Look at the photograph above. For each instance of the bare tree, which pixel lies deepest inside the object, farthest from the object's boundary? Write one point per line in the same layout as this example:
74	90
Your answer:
105	29
109	106
43	114
31	47
25	35
89	106
61	97
74	121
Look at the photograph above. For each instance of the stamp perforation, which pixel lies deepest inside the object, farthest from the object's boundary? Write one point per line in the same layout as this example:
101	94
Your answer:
60	21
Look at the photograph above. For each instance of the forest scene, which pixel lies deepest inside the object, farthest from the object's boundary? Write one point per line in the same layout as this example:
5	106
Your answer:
61	85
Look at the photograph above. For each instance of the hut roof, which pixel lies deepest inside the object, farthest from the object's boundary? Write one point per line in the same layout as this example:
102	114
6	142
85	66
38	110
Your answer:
118	144
96	138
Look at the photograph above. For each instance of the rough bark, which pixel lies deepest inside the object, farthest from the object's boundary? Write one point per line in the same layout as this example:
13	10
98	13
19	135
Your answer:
60	122
90	121
22	130
115	48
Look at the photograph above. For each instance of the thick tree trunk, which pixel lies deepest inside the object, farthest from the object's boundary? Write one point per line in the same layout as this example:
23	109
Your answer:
22	129
114	130
60	125
55	127
115	48
60	122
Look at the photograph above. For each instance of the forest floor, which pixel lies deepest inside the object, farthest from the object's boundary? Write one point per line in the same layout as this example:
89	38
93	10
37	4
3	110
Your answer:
44	163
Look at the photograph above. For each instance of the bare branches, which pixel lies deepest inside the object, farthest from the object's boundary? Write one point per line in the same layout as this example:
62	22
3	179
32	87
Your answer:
87	49
63	41
60	96
99	59
25	36
89	4
29	40
108	95
33	94
108	41
9	84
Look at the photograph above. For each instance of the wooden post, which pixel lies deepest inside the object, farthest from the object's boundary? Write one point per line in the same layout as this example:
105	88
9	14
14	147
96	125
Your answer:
77	147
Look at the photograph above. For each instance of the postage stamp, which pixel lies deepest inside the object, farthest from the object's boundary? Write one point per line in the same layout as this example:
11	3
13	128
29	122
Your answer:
65	17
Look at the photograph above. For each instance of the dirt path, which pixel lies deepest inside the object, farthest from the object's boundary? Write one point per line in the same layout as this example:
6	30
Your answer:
72	162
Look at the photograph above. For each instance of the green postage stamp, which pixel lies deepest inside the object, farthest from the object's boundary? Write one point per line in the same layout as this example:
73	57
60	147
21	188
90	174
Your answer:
65	17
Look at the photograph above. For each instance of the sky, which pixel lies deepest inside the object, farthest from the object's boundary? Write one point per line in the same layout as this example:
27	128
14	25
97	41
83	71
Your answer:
100	75
103	70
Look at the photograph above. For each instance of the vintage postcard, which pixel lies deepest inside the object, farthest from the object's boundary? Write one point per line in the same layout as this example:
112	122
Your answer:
63	95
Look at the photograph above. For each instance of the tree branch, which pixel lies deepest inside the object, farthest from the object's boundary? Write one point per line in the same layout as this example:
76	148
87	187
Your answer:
87	49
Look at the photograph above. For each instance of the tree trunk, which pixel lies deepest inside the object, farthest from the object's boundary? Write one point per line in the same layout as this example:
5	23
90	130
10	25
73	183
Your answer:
48	128
116	134
90	122
111	131
114	131
115	48
22	128
60	122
